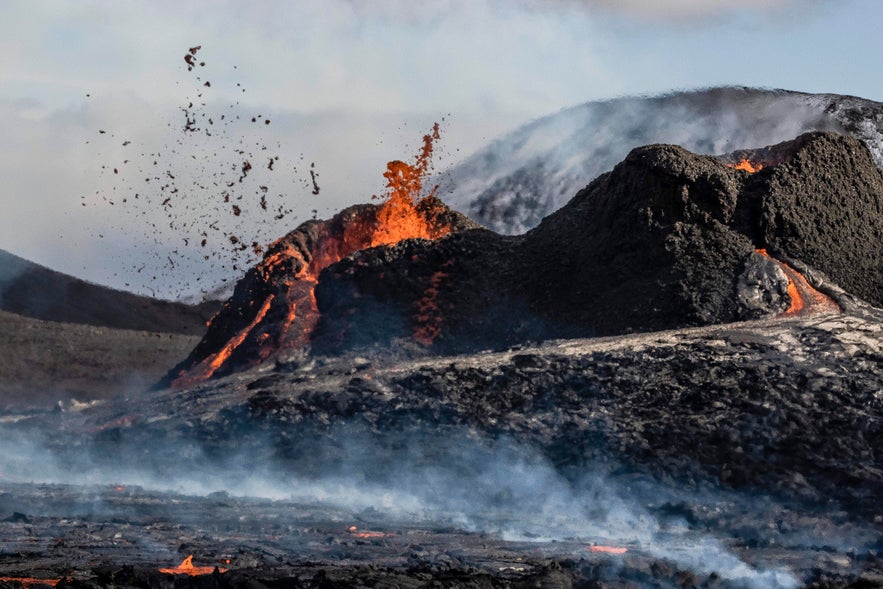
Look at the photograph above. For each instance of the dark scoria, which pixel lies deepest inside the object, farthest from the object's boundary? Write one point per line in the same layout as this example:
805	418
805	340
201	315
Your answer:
790	407
665	240
765	433
272	307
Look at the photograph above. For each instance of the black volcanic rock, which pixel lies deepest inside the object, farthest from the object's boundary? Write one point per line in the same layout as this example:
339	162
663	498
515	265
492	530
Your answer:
34	291
667	239
824	207
272	308
514	182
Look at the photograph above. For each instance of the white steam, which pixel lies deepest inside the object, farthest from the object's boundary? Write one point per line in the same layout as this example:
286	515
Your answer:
514	182
497	487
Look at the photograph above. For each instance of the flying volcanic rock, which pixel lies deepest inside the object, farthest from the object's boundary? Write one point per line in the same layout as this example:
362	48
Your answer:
515	181
667	239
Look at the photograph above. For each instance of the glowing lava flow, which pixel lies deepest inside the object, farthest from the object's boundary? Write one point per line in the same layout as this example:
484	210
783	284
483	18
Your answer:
805	299
28	582
207	367
608	549
187	568
747	166
355	533
429	318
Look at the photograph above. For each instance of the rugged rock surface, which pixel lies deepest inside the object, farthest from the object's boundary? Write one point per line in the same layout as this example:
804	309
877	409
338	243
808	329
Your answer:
272	307
514	182
763	435
789	407
667	239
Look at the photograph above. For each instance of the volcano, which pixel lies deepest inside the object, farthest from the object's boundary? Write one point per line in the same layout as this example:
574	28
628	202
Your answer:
667	239
514	182
733	442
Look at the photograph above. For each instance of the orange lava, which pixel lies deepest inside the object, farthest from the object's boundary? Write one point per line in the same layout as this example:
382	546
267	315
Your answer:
608	549
187	568
406	212
747	166
30	581
355	533
402	215
207	367
804	298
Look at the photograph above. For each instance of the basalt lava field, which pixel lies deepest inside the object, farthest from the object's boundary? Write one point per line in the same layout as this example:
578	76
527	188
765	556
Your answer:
672	381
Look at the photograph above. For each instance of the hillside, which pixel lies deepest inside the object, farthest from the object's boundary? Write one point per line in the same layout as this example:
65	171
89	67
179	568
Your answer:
45	362
510	185
35	291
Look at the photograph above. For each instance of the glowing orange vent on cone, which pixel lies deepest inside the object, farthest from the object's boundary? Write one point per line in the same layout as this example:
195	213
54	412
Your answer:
746	165
187	568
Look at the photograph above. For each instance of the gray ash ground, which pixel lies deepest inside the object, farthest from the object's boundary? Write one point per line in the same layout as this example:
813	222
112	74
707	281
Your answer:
740	455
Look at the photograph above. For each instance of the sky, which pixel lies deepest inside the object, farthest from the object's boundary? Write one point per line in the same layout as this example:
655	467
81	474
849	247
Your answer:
347	85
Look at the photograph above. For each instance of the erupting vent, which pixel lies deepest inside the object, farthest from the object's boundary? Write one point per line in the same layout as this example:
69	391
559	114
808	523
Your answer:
746	165
274	307
188	568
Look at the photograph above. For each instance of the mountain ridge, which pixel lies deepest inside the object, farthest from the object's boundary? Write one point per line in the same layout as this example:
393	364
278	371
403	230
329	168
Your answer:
32	290
521	177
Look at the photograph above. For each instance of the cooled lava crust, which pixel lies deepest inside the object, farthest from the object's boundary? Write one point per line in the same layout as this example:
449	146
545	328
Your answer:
667	239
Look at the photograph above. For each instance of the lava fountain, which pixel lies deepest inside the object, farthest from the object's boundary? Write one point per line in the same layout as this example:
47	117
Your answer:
274	307
188	568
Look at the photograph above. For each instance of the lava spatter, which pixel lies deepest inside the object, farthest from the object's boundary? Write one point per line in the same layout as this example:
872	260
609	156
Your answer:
181	191
246	332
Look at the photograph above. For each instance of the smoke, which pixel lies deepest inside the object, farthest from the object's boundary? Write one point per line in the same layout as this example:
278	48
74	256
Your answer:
448	478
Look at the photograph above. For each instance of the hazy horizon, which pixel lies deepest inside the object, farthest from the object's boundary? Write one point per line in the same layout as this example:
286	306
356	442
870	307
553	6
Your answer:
348	85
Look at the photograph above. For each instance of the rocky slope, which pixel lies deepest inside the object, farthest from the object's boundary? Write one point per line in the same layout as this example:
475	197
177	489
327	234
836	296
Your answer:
763	435
35	291
667	239
514	182
50	365
789	407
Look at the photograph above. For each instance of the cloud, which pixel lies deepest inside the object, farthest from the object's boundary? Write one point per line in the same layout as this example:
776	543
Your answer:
689	10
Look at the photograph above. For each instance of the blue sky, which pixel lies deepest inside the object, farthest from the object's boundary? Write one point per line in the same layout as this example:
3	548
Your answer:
351	84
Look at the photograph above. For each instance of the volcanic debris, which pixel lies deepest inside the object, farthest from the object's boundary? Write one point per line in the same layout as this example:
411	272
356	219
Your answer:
667	239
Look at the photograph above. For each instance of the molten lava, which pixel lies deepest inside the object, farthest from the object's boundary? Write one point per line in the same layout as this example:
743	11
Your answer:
747	166
404	214
28	582
286	278
608	549
429	318
356	533
205	369
187	568
804	298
